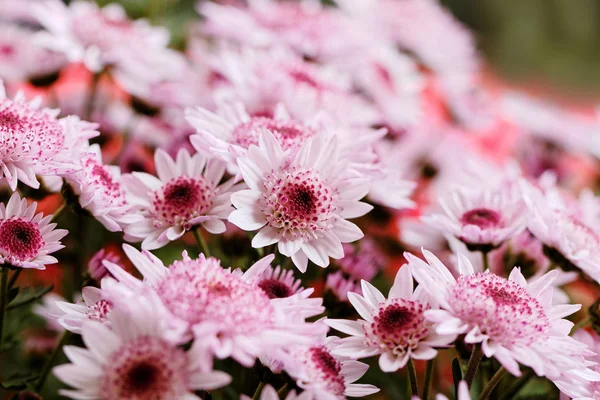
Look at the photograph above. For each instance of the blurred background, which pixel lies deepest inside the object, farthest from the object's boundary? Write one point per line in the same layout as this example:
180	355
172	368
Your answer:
551	46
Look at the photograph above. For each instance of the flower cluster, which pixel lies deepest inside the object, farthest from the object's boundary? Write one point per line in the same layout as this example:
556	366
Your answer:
226	211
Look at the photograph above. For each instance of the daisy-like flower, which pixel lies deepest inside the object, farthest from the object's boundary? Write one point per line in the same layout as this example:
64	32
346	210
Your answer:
567	229
101	192
362	262
326	376
21	58
482	219
34	142
300	203
230	131
228	310
27	239
185	194
106	37
513	320
341	286
94	307
135	360
395	327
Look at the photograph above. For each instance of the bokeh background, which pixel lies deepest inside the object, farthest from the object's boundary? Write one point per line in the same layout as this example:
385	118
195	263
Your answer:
547	46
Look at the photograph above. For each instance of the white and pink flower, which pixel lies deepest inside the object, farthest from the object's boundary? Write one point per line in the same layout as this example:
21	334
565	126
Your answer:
187	193
27	239
514	321
34	141
134	359
302	202
481	219
394	328
229	311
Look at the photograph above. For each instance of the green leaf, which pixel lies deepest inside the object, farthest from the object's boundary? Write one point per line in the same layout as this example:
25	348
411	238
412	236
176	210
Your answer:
12	294
28	296
457	374
18	381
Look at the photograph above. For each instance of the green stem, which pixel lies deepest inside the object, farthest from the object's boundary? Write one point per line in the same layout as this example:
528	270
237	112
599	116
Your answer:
13	278
474	360
201	242
580	324
486	260
283	391
428	378
258	391
50	361
3	297
412	375
59	212
517	386
485	394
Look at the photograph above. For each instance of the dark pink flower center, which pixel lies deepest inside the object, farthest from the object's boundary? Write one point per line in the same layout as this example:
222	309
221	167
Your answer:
20	239
7	50
275	289
183	199
288	133
481	217
99	311
300	200
325	361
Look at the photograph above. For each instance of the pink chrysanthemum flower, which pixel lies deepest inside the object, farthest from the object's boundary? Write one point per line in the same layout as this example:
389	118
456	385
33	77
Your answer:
263	79
481	219
96	268
187	193
513	320
395	327
362	262
568	231
27	239
230	131
135	360
34	142
317	371
341	286
101	192
21	58
300	203
105	36
581	383
94	307
229	311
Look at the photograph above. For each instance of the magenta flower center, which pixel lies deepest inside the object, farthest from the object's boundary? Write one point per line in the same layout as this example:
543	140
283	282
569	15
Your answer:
502	309
298	202
20	239
484	218
325	369
146	368
399	326
200	290
275	289
99	311
28	133
289	134
182	199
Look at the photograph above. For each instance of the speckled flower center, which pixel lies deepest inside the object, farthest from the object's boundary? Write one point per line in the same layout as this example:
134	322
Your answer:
20	239
201	290
104	184
289	134
99	311
28	133
325	369
146	368
182	199
298	202
398	326
484	218
502	309
275	289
